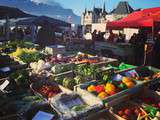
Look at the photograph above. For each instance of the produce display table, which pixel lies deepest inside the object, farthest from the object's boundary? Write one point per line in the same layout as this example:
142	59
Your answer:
91	88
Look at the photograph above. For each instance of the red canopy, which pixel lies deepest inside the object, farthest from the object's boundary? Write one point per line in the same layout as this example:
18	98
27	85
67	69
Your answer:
139	19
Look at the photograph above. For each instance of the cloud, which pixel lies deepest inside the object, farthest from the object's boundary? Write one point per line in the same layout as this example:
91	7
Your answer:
40	1
49	2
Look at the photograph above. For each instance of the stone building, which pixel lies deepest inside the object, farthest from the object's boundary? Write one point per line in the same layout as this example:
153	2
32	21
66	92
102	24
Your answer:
100	15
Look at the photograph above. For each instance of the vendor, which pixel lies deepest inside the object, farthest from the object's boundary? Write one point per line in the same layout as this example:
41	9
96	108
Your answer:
46	35
156	51
111	37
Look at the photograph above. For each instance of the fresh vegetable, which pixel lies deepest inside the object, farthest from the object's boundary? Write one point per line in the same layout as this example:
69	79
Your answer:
100	88
91	88
78	79
49	91
87	70
21	77
152	111
59	68
59	79
69	83
26	55
102	95
78	107
130	112
110	89
129	83
39	66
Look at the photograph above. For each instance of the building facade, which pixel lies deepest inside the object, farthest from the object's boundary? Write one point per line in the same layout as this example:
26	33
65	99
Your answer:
100	15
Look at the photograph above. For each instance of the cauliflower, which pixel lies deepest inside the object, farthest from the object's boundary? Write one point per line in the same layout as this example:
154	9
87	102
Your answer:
56	68
41	65
47	65
34	65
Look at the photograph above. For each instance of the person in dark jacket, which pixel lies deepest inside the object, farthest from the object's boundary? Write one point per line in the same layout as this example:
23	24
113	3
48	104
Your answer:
156	51
46	35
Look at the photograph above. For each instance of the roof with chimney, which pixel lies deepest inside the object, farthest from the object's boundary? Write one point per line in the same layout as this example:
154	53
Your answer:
123	8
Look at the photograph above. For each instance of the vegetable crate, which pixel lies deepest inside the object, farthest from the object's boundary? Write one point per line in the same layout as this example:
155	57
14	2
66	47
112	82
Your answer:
45	107
106	61
143	74
150	102
47	92
62	68
72	106
69	79
126	111
120	67
82	90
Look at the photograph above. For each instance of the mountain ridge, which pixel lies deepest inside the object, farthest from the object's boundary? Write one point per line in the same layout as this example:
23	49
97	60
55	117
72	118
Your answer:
54	10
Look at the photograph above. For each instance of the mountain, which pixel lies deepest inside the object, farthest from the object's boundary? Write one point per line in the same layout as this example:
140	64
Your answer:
52	10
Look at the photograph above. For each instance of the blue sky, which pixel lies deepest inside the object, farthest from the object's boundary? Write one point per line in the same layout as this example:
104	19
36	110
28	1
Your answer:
78	6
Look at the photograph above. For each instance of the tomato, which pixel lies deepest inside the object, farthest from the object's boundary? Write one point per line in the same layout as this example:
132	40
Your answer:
125	117
120	113
127	112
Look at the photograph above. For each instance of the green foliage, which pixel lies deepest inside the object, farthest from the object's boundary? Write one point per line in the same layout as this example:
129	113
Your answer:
69	83
30	57
21	77
87	70
10	46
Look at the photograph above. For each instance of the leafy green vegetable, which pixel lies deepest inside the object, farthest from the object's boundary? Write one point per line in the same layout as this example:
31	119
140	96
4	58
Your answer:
69	83
87	70
11	46
30	57
79	79
78	107
21	77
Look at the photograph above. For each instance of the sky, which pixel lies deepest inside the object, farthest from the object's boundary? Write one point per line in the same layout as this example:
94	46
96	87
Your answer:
78	6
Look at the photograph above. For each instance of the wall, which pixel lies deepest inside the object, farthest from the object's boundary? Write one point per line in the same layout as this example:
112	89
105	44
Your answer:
99	27
129	32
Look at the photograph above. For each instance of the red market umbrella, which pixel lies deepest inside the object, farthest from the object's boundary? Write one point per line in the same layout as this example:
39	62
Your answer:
139	19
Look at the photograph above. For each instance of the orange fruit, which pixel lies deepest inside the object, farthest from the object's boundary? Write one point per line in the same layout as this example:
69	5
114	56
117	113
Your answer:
130	84
126	79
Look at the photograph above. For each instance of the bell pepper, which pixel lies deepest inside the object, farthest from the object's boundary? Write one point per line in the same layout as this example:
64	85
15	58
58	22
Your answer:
122	86
99	88
91	88
151	110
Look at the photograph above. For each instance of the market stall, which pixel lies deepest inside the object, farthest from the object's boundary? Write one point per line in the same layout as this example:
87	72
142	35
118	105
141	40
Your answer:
122	51
93	87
